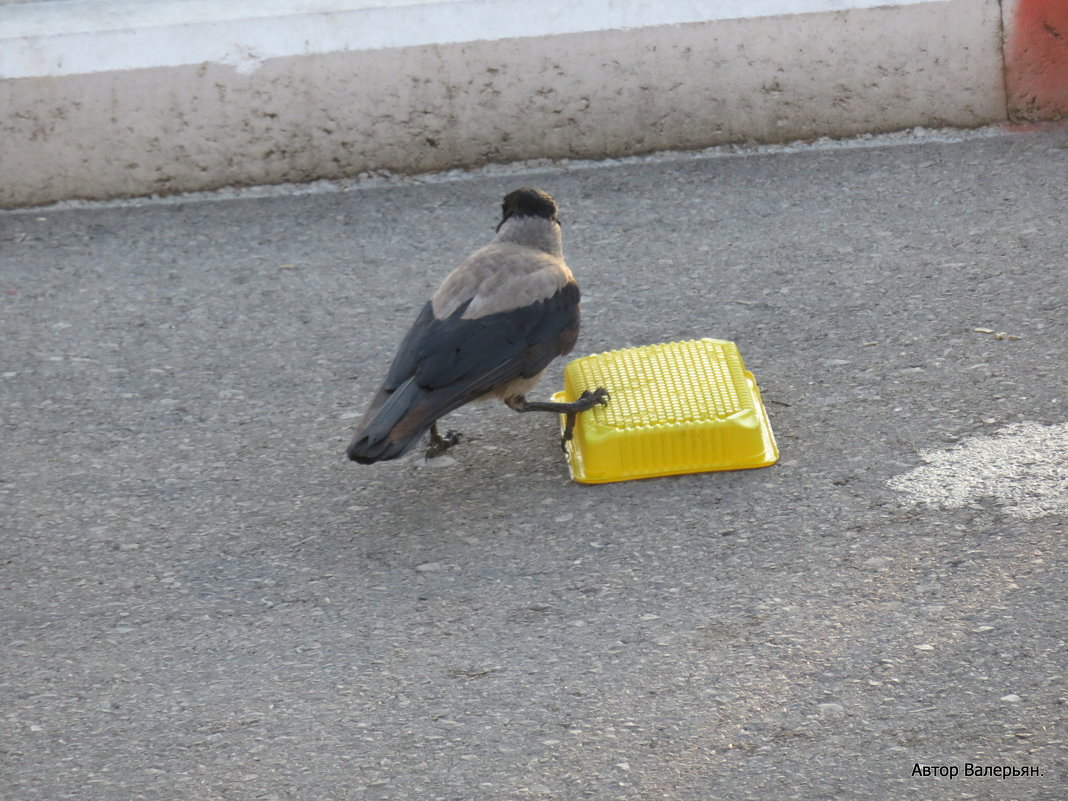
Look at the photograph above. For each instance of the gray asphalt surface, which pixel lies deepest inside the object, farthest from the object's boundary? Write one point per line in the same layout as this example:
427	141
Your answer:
203	600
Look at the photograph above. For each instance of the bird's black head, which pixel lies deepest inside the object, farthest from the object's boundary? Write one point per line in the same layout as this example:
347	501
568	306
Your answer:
528	202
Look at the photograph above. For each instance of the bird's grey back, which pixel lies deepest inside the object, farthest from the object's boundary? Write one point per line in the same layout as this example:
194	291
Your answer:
522	265
538	233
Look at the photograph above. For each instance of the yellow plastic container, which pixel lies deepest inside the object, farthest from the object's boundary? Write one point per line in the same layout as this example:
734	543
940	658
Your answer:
680	407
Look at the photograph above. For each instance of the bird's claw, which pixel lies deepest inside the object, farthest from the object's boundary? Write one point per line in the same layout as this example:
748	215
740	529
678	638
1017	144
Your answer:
598	397
586	401
440	443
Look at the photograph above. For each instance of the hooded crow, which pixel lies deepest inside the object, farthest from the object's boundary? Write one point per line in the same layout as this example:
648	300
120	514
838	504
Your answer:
490	330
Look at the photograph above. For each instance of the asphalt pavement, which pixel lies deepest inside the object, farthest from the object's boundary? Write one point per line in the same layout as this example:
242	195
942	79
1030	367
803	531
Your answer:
202	599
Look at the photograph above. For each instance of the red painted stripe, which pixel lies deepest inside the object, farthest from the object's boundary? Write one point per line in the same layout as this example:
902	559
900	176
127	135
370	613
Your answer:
1036	60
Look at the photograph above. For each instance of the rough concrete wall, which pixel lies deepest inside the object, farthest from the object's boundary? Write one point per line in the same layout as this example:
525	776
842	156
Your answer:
416	109
1036	58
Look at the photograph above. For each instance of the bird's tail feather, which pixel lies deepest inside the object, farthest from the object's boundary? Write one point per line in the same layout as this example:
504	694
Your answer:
379	437
397	420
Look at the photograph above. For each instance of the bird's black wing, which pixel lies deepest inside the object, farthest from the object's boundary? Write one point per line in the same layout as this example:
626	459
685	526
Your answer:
443	364
482	353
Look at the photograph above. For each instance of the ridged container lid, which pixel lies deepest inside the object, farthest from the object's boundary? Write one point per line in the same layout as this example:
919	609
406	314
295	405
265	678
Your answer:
678	407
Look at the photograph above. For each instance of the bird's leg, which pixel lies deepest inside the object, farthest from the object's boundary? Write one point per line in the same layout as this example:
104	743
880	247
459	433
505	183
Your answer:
439	444
587	400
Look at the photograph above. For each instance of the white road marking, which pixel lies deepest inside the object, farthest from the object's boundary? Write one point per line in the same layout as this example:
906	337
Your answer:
1023	466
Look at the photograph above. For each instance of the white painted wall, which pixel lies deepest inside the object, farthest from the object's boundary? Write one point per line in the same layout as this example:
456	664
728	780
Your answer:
46	39
106	98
